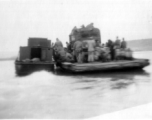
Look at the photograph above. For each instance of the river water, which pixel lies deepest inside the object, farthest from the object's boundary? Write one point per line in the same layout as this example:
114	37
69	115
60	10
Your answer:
64	95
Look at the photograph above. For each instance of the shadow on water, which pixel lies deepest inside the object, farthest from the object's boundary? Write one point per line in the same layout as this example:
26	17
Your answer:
103	74
105	80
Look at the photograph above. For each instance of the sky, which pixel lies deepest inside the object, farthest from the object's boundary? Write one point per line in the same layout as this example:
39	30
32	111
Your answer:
21	19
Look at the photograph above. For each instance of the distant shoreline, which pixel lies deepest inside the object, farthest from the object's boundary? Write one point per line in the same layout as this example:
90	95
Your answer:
7	59
143	51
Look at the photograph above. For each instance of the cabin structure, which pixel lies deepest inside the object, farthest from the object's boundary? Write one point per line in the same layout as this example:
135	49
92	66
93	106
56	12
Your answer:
36	56
85	34
37	48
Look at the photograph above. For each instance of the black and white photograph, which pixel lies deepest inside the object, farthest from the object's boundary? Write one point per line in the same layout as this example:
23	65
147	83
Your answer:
76	59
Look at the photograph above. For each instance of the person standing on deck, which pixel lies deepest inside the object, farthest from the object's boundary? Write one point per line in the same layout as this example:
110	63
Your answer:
97	51
69	47
58	44
91	49
123	44
77	49
85	51
110	44
117	43
98	44
103	45
67	44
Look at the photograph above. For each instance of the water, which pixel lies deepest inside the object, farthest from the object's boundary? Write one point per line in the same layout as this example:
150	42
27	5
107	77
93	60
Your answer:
63	95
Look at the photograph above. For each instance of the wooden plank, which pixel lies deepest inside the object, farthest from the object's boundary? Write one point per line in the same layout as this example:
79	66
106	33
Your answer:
78	67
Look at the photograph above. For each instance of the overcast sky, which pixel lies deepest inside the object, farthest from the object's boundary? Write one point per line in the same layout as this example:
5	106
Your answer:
21	19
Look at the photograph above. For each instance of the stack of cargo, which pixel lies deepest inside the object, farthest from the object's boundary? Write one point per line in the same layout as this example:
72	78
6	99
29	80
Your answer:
123	54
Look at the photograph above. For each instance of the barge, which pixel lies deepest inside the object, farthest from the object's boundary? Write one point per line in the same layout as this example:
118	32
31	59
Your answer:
36	56
105	66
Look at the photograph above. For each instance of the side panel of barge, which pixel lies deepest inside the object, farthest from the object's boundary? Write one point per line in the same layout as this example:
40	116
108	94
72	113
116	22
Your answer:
99	66
28	67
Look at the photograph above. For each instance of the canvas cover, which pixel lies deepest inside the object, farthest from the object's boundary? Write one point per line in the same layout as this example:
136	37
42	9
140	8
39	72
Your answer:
85	33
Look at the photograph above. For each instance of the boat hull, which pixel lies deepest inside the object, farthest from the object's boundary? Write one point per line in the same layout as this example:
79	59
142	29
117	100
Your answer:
106	66
24	68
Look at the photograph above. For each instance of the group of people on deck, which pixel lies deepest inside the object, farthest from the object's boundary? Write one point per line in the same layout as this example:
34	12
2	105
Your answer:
87	50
